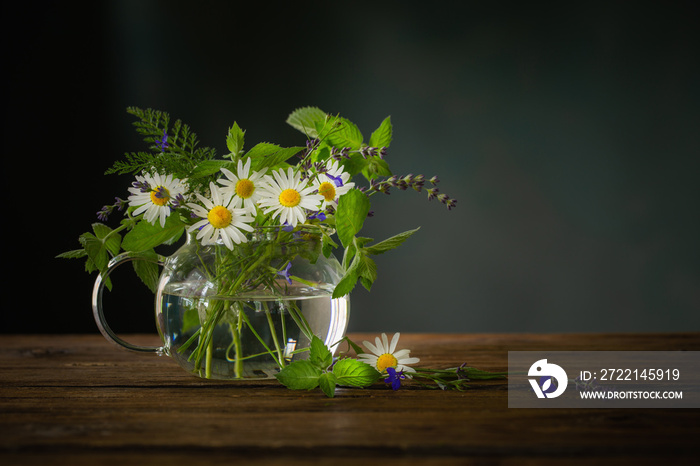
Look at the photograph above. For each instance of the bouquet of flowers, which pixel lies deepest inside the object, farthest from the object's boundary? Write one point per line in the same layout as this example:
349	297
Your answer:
252	217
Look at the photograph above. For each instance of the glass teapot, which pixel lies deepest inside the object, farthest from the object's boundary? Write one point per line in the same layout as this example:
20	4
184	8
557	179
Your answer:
246	312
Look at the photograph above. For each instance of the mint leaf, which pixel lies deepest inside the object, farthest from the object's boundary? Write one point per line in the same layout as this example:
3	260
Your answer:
390	243
111	242
74	254
146	236
382	135
354	373
319	355
367	270
209	167
327	245
354	346
352	211
375	167
327	382
340	132
147	268
96	252
304	119
267	155
349	279
299	375
235	139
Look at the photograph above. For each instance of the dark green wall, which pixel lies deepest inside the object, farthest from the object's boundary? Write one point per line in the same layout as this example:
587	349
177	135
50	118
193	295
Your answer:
567	131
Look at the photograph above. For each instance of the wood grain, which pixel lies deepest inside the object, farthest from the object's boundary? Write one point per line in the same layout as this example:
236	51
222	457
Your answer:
76	399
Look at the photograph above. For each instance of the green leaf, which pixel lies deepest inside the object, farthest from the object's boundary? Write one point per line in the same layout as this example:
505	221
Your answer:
349	279
111	242
358	350
382	135
353	208
327	382
327	245
304	119
354	373
367	270
74	254
319	354
390	243
235	139
147	268
375	167
299	375
265	155
356	164
340	132
146	236
210	167
96	251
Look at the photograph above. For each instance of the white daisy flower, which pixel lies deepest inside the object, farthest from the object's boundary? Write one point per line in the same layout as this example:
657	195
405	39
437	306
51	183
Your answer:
383	355
154	195
220	220
286	196
333	184
244	186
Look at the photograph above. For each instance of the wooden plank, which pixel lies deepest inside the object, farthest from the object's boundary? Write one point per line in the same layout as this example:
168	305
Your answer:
78	396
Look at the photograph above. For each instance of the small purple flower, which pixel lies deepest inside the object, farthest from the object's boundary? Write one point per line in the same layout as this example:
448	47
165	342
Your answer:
287	227
163	143
337	180
285	273
319	215
394	378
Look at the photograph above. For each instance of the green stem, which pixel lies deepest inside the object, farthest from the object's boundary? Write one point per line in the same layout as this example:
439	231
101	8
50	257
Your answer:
299	319
238	364
273	333
209	359
262	342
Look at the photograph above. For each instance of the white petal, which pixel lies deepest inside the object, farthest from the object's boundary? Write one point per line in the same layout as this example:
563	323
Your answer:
380	346
409	361
371	348
385	340
394	341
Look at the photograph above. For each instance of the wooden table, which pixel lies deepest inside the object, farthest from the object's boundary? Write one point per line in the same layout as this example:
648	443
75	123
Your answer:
78	400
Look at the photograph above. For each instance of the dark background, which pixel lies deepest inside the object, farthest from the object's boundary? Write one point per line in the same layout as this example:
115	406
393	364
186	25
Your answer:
567	131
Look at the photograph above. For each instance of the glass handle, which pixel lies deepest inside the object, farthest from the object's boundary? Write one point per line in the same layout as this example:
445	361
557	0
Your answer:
98	311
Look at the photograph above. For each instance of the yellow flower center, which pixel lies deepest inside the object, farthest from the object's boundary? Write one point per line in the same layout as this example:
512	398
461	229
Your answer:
245	188
386	360
219	217
160	196
327	190
290	198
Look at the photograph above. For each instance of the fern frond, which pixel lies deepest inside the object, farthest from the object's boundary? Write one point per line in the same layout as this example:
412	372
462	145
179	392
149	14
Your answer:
179	158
